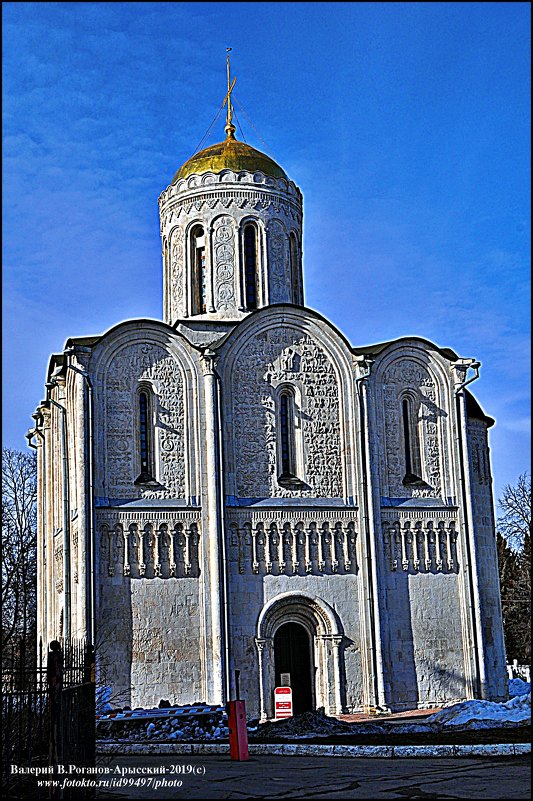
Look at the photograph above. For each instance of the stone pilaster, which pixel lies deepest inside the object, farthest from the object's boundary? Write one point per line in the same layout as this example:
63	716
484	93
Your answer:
214	533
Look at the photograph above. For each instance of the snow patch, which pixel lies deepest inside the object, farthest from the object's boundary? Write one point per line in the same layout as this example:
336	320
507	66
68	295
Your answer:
518	687
477	714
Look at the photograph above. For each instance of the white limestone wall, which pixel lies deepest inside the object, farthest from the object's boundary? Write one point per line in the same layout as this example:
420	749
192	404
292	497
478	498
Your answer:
299	564
150	558
55	465
149	640
150	633
156	628
410	369
145	356
427	638
272	350
249	594
487	560
424	656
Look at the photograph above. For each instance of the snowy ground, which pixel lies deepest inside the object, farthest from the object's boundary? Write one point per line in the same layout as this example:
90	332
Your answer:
485	714
467	715
518	687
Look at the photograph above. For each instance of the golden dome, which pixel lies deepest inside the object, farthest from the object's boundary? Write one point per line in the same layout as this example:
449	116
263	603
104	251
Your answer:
230	154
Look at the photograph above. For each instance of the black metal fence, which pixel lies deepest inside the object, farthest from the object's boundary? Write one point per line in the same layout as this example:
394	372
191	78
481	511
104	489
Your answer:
48	713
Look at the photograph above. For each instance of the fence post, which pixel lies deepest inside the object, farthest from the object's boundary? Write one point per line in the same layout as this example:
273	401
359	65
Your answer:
89	665
54	675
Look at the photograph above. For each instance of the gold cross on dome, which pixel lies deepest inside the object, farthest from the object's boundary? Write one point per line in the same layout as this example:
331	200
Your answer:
230	128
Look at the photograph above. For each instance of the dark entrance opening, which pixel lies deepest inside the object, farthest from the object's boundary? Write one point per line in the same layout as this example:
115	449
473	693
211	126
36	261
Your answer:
292	654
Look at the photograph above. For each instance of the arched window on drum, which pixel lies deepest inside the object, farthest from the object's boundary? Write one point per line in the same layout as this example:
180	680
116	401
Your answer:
251	272
198	270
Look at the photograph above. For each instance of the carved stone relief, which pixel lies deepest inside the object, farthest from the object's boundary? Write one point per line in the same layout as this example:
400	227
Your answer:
479	453
224	251
58	566
427	546
74	535
152	364
294	548
150	550
405	375
232	199
177	273
269	359
277	263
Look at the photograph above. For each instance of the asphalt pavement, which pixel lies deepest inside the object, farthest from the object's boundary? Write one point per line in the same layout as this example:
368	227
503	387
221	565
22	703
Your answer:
281	777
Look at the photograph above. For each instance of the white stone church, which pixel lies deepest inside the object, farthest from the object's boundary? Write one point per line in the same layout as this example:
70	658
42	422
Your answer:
239	488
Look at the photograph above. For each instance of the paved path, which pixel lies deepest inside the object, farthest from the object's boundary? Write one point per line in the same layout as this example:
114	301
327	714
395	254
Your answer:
275	777
400	717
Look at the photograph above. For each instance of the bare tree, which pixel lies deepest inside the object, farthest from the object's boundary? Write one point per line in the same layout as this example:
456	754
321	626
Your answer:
514	523
19	546
514	557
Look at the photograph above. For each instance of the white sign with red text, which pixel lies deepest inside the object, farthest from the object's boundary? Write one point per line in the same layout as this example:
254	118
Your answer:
283	702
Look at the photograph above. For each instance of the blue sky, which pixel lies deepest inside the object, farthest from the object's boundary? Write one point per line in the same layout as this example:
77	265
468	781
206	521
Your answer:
406	125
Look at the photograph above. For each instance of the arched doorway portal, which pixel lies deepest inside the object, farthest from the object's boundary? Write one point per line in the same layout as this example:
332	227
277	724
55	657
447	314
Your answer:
283	623
292	654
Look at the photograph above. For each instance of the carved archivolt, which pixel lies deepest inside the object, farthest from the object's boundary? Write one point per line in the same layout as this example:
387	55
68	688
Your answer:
295	605
294	549
421	546
270	358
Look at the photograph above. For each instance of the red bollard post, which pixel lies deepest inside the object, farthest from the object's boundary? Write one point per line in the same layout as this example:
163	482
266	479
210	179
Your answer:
238	734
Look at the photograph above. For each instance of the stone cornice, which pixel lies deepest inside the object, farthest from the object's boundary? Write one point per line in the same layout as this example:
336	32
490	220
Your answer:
228	177
291	515
223	198
148	515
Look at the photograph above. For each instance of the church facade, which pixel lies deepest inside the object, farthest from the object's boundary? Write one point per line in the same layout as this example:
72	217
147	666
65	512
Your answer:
237	487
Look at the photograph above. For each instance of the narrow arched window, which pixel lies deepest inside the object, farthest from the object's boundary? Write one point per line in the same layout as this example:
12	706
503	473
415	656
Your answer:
286	424
250	266
410	442
144	437
295	278
143	431
199	277
406	419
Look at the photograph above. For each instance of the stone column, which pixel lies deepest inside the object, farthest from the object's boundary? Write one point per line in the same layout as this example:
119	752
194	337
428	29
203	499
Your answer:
375	683
48	531
473	572
41	534
82	449
240	269
335	642
260	644
214	531
210	268
264	262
